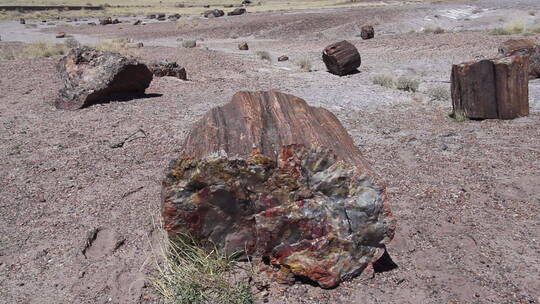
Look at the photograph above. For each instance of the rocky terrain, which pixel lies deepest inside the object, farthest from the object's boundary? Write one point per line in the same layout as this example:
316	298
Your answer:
80	190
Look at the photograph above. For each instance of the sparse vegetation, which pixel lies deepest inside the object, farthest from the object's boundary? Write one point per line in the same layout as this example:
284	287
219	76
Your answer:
115	45
430	29
304	65
384	81
509	29
458	116
408	84
264	55
477	11
439	93
194	274
72	43
189	44
34	50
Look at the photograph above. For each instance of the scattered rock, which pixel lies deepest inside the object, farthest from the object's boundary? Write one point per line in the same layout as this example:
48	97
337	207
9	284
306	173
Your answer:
283	58
237	11
271	176
161	19
246	2
213	13
61	35
115	21
167	68
491	88
92	23
91	76
151	16
341	58
105	21
161	15
22	21
525	47
174	17
137	22
243	46
367	32
227	5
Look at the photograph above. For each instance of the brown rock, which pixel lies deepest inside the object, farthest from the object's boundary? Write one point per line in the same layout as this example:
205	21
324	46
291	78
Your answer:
91	76
283	58
237	11
167	68
491	88
273	177
524	47
341	58
105	21
367	32
243	46
213	13
61	35
137	22
22	21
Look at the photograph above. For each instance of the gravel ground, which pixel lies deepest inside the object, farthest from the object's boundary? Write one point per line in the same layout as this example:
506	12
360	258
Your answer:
466	195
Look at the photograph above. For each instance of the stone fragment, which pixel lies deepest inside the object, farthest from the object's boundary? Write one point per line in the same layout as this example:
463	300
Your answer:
341	58
525	47
367	32
243	46
167	68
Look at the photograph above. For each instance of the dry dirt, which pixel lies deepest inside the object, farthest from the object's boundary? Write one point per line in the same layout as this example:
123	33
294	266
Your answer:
466	194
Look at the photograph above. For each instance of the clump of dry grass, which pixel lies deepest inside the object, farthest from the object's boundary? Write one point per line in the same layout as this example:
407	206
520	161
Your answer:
440	93
509	29
384	80
189	44
264	55
194	274
34	50
431	29
115	45
304	65
408	84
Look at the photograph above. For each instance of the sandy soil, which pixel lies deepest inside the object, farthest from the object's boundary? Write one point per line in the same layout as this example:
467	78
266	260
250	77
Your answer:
466	195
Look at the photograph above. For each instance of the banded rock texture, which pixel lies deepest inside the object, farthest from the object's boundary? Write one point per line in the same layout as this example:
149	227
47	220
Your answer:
491	89
524	47
91	76
341	58
271	176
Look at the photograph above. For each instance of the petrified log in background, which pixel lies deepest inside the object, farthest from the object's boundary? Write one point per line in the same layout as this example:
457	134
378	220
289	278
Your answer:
91	76
341	58
496	88
367	32
269	175
524	47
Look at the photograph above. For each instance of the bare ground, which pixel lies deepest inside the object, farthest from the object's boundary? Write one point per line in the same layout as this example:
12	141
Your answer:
466	195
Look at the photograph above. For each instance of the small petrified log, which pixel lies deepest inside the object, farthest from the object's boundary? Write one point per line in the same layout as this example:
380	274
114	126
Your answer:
243	46
367	32
237	11
105	21
213	13
491	88
525	47
283	58
91	76
269	175
341	58
167	68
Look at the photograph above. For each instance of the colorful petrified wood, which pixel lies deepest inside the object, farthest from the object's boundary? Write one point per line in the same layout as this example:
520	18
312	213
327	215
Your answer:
269	175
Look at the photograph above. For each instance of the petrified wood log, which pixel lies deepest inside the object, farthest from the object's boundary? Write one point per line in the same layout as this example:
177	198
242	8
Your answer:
524	47
269	175
91	76
341	58
367	32
495	88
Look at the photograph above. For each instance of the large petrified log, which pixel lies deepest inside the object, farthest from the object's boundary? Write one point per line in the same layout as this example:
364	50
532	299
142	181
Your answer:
524	47
271	176
341	58
91	76
495	88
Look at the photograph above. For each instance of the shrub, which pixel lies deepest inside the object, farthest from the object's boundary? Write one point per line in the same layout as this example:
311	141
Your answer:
264	55
189	43
72	43
433	29
407	84
42	49
439	93
192	273
384	81
114	45
304	65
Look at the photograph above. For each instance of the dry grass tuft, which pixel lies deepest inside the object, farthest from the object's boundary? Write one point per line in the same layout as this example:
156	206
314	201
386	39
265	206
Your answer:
194	274
304	65
189	44
264	55
408	84
34	50
430	29
115	45
439	93
384	81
